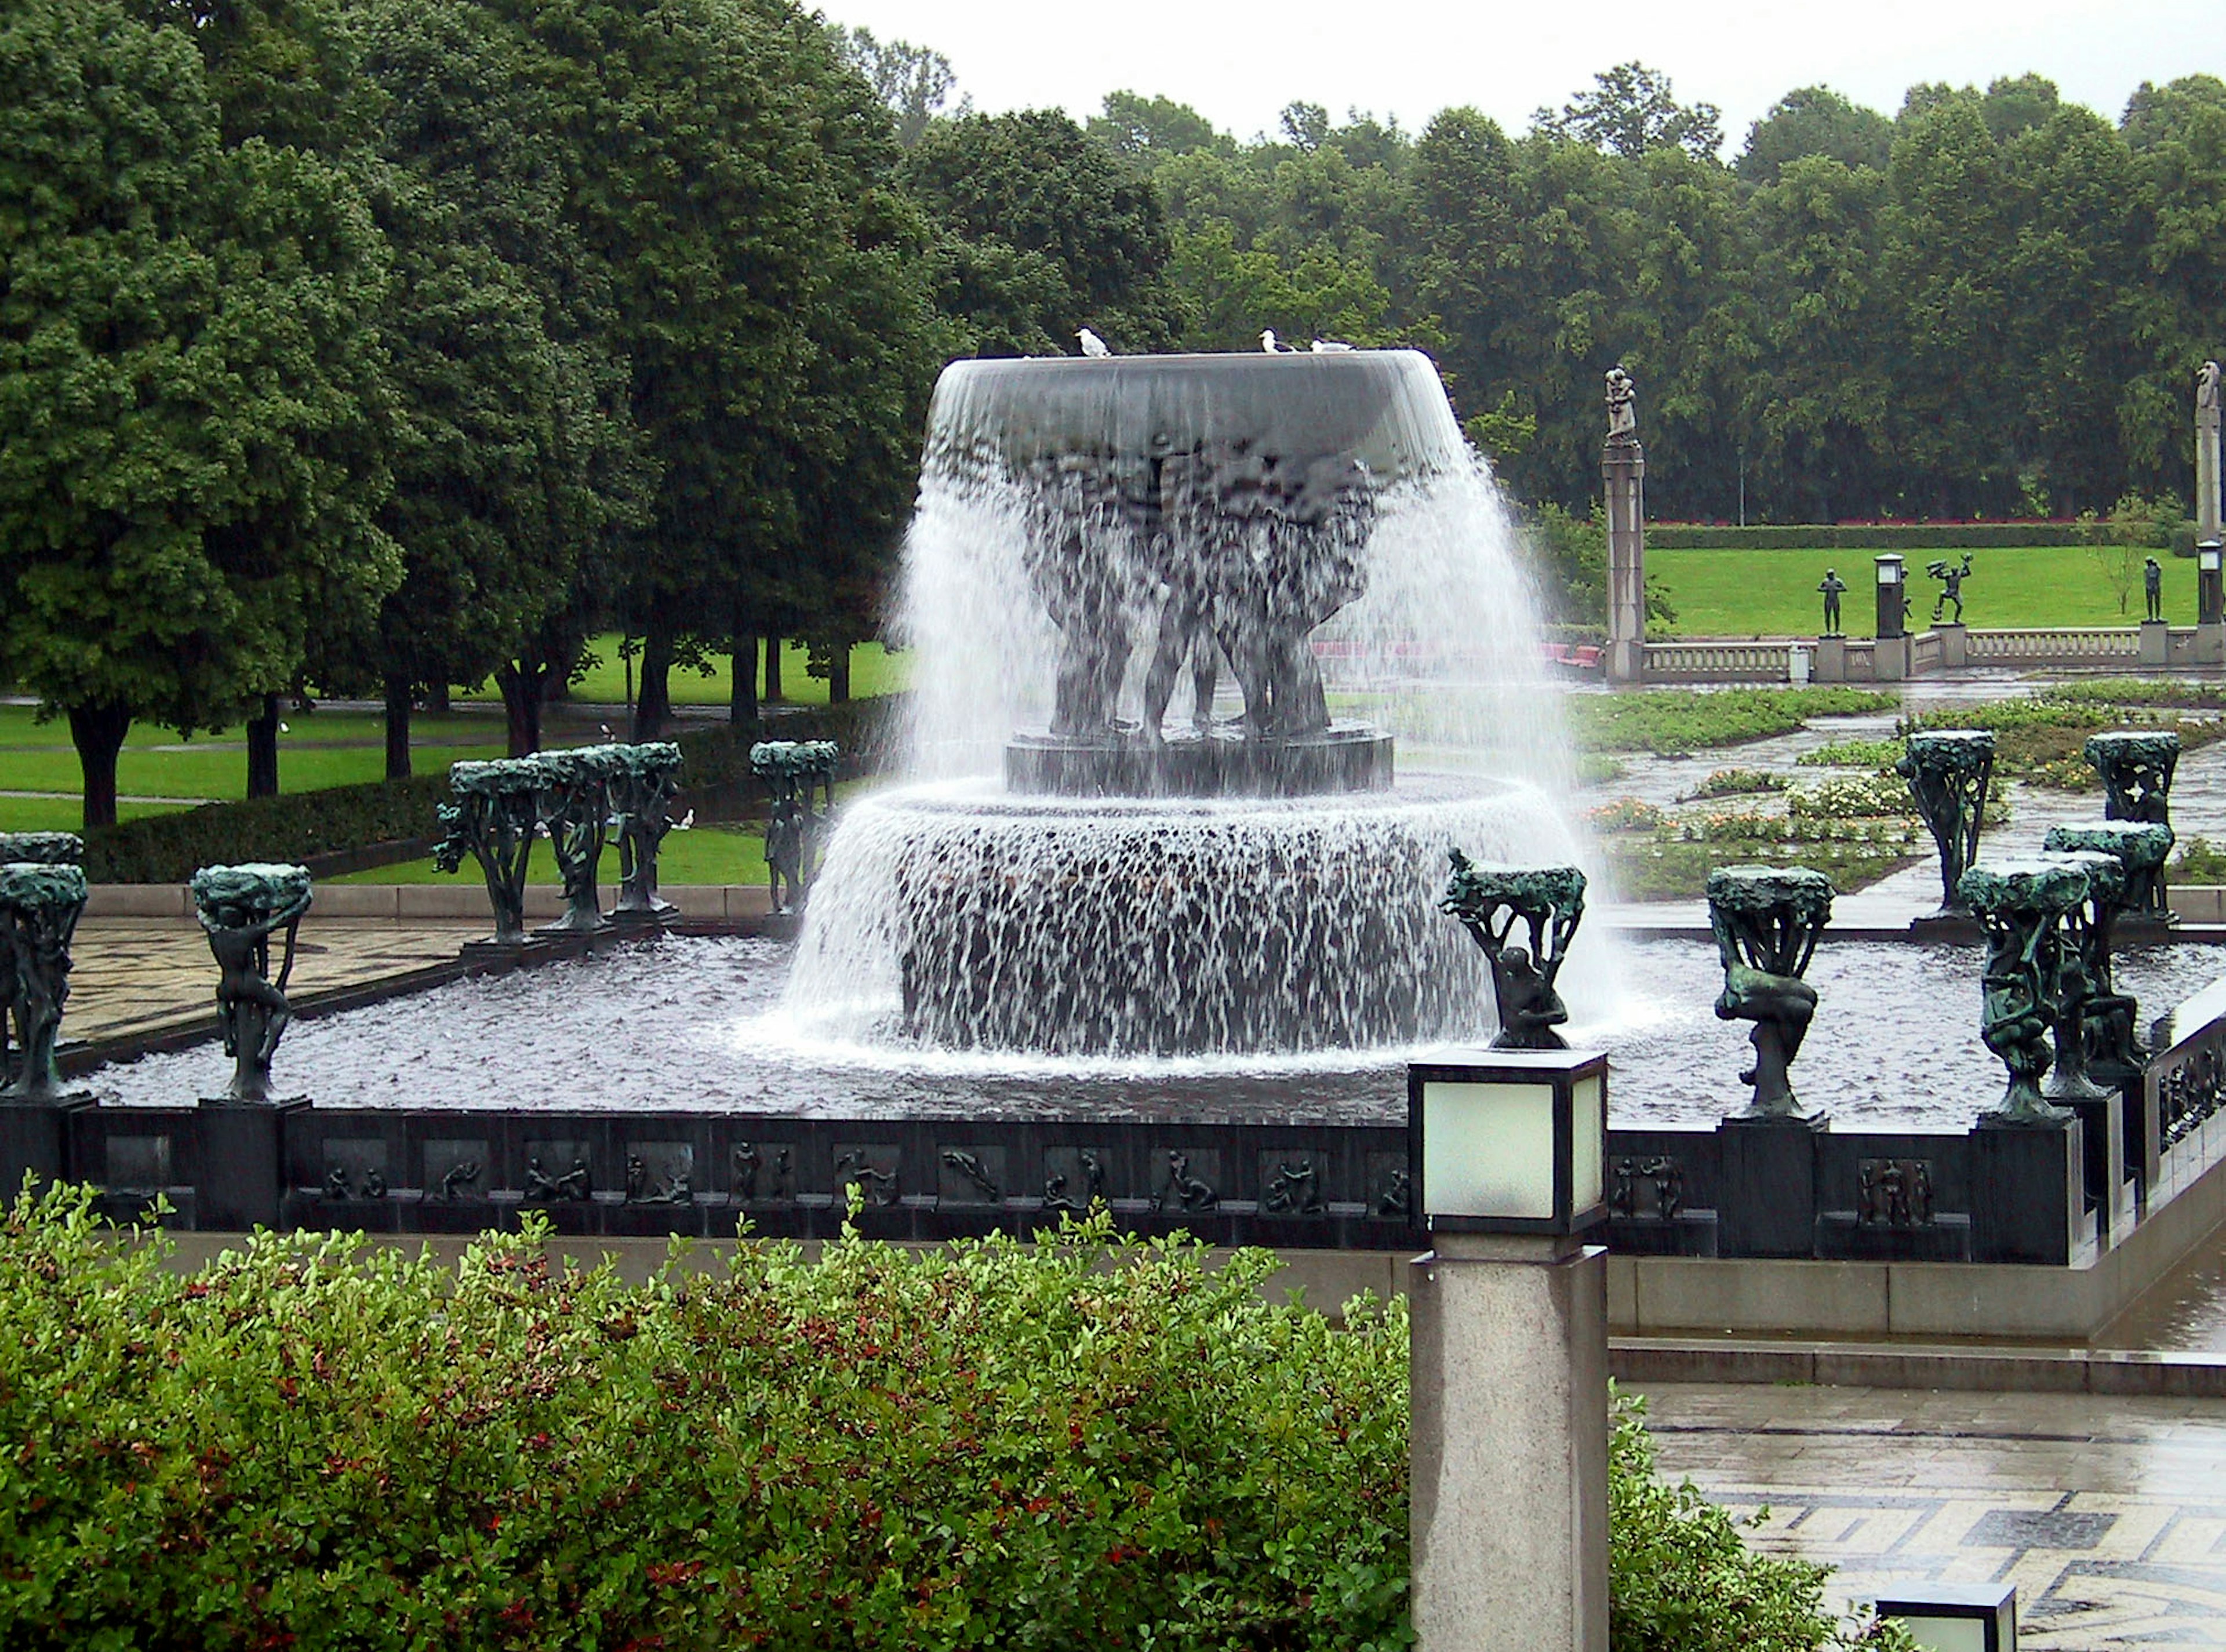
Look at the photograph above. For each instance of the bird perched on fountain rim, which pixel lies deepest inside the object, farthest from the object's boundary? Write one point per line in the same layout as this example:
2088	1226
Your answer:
1269	343
1093	346
1331	347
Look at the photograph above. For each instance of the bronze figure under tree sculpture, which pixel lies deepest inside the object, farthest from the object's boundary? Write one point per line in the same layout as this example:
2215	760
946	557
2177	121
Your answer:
2081	973
2023	905
1550	901
1947	771
492	819
644	781
573	805
241	907
1766	921
2136	766
2115	1055
42	895
797	774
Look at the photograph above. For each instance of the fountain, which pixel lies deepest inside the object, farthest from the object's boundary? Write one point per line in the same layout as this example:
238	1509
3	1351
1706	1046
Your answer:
1256	878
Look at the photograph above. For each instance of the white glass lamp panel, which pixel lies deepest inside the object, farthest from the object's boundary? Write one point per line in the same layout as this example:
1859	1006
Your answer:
1947	1633
1587	1143
1488	1150
1889	573
2207	559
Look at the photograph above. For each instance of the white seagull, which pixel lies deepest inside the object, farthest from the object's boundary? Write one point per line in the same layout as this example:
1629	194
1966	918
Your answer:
1330	347
1092	346
1268	343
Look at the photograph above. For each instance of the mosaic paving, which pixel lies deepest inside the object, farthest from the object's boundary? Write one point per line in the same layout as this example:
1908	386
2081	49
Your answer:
2109	1515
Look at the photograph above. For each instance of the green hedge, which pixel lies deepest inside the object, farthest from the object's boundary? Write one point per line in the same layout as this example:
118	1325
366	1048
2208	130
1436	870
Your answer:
2179	538
317	1444
718	754
294	826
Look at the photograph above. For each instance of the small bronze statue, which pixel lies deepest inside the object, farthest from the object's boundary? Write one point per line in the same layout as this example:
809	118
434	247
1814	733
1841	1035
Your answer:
492	819
1398	1198
1951	588
644	780
969	1166
42	895
459	1177
2136	765
1185	1192
2153	587
2023	905
875	1186
797	775
1767	920
241	908
1948	771
1550	902
1833	586
1294	1190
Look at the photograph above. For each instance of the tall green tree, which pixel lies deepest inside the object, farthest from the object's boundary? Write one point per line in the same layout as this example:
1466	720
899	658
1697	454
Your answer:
189	382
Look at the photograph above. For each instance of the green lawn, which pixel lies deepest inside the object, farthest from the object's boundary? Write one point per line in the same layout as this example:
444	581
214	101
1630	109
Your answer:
711	854
60	814
1773	592
873	671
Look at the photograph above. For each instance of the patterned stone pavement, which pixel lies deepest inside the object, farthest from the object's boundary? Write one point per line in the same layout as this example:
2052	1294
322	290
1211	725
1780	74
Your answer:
140	975
2109	1515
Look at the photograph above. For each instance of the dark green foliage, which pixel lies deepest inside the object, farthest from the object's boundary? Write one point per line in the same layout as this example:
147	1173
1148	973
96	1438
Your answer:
1082	1442
169	849
867	731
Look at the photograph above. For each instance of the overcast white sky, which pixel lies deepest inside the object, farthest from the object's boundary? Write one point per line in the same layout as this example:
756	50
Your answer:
1239	64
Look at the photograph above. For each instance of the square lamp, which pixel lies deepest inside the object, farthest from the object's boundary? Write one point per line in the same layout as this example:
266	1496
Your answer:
1955	1617
1512	1141
2206	556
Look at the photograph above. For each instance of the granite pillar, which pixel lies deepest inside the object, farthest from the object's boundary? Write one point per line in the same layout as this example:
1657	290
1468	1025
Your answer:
1510	1421
1766	1200
243	1156
2028	1193
1623	475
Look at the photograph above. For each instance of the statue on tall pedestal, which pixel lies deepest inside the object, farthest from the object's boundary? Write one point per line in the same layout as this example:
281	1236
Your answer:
2153	587
1833	586
241	907
42	893
1766	921
1947	771
1622	405
2207	478
1550	902
2023	905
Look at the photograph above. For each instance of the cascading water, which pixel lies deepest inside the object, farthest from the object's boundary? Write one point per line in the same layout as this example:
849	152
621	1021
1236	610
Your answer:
1169	617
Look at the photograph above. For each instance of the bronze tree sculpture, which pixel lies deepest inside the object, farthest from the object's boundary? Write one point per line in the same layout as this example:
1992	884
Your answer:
1550	902
241	908
1947	771
1766	921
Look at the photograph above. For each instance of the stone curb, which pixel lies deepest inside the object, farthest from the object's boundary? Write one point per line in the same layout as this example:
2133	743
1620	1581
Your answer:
1640	1361
421	901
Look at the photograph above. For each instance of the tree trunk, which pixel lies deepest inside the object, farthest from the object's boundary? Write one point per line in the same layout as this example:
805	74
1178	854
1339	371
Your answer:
263	750
521	705
652	710
773	693
742	701
437	700
397	727
838	673
98	732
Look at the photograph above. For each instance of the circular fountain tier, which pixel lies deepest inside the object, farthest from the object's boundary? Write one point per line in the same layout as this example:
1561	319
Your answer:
959	917
1223	763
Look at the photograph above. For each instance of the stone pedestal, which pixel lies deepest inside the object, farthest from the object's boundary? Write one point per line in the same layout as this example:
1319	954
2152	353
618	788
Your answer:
1767	1201
34	1139
2102	1133
1889	660
2156	642
1623	474
2029	1192
1509	1516
243	1162
2210	645
1831	660
1954	646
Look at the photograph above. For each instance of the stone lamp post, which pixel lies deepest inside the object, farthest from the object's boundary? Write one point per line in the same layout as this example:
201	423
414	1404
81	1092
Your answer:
1766	921
1948	771
2023	905
1507	1156
1550	902
492	819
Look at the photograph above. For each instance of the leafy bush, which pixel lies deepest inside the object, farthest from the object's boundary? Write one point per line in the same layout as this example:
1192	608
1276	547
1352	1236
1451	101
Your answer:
1667	720
1866	796
317	1444
1625	815
1855	754
169	849
2199	861
718	755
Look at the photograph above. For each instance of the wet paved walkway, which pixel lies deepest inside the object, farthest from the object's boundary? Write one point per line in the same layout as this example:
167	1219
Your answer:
2108	1515
139	976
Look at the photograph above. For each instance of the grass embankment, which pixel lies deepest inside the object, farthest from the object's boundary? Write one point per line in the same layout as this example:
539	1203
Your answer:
1663	721
1773	592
